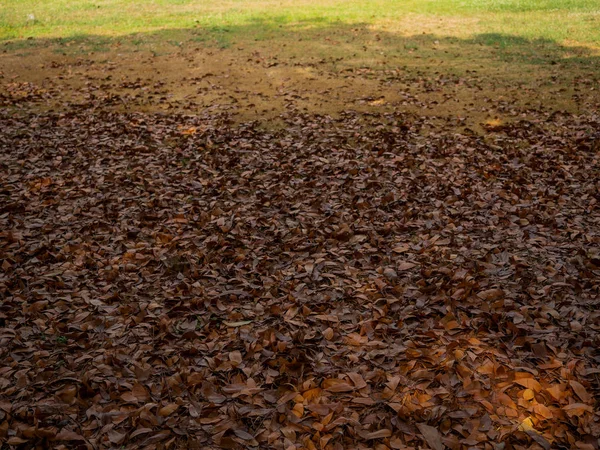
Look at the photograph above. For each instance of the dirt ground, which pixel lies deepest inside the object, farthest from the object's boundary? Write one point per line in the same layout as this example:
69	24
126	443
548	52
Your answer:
259	82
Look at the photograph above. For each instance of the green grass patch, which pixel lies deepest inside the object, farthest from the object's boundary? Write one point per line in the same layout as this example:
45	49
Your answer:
259	19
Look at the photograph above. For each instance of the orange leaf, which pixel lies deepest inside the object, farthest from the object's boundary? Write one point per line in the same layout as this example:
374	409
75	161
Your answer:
311	393
543	411
337	385
555	391
528	394
530	383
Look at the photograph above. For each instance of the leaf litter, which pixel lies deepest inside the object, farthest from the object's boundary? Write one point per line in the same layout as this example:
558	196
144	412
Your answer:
179	281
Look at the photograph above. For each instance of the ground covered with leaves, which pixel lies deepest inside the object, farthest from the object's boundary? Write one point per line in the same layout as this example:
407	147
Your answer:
179	281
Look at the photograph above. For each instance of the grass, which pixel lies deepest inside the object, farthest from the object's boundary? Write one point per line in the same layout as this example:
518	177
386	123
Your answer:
528	19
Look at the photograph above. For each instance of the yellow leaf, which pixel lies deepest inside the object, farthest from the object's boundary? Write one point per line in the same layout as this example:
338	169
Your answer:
526	425
528	394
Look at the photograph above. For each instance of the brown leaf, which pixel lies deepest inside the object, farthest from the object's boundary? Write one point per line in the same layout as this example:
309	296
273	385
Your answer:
140	393
405	265
168	409
336	385
577	409
357	380
506	400
139	432
379	434
390	274
243	435
68	435
235	357
431	435
195	378
491	294
115	437
239	323
581	392
355	339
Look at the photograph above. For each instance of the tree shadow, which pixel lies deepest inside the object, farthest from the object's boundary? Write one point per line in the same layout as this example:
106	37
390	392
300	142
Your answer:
319	62
338	38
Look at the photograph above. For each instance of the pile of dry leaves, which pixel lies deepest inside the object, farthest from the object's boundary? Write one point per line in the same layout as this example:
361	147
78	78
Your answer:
173	281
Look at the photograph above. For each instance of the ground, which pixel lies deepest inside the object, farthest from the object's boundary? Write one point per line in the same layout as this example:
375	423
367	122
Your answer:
334	226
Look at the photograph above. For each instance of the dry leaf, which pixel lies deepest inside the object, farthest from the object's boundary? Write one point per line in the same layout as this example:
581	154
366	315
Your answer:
577	409
319	284
580	391
168	409
431	435
336	385
379	434
405	265
240	323
529	383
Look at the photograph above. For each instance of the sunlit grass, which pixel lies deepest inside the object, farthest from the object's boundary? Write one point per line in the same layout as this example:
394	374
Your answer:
576	22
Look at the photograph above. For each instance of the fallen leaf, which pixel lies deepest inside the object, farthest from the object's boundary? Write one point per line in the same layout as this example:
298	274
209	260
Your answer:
577	409
379	434
405	266
168	409
336	385
431	435
529	383
581	392
240	323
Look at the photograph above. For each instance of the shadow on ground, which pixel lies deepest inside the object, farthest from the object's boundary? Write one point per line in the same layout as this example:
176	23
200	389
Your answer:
269	66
